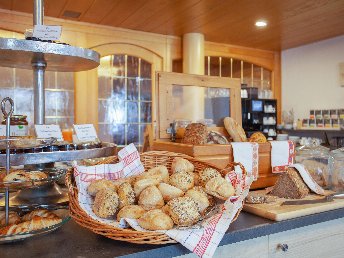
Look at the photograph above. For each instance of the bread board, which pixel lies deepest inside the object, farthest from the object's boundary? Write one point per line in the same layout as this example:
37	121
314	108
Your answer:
274	211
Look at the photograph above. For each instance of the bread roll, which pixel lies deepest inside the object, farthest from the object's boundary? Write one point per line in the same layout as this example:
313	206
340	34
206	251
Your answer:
183	211
130	212
181	165
220	188
151	198
169	191
99	184
258	137
155	220
106	203
126	195
182	180
200	197
234	130
140	185
208	173
159	172
39	213
13	218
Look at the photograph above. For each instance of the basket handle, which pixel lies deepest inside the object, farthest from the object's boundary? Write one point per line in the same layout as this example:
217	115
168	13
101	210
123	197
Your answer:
231	165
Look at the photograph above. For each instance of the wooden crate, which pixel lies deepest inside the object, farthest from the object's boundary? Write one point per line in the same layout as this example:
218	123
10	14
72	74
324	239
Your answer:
221	155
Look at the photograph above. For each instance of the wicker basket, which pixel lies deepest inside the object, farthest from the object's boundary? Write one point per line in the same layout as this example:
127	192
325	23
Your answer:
149	159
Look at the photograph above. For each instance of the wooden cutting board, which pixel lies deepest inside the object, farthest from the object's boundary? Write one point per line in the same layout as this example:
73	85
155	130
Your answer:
275	211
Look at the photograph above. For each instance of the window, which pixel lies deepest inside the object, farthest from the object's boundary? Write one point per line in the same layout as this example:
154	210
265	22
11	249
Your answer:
125	99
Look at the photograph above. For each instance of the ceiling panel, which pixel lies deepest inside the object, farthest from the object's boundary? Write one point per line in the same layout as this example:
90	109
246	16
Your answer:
291	22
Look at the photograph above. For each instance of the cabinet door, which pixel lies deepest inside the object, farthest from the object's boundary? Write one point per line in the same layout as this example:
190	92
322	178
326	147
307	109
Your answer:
253	248
319	240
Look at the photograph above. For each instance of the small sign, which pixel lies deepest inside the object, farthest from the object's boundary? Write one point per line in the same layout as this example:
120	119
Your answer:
85	133
45	32
48	131
2	130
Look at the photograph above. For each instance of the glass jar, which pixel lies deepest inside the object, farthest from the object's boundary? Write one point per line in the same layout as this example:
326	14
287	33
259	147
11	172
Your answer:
18	125
315	158
337	169
180	125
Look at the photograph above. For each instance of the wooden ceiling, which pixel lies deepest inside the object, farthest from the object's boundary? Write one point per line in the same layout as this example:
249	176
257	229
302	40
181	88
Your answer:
291	23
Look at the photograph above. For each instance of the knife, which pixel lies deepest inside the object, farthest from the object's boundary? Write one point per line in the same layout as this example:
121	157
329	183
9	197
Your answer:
328	198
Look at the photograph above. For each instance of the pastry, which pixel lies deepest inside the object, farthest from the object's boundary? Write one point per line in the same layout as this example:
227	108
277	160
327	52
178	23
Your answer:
206	174
200	197
97	185
39	213
140	185
234	130
126	195
183	211
216	138
195	134
13	218
290	185
169	191
219	188
17	175
151	198
37	175
183	180
258	137
181	165
130	212
105	203
160	173
155	220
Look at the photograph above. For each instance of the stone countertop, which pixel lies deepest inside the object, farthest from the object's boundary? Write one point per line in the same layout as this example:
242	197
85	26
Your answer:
71	240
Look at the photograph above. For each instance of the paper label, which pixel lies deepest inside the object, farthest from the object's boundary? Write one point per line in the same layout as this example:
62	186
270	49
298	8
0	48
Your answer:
45	32
48	131
85	133
15	130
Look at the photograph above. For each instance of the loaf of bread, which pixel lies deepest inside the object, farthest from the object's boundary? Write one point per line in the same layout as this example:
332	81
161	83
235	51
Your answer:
97	185
182	180
290	185
130	212
39	213
151	198
155	220
235	130
184	211
219	188
105	203
169	191
13	218
195	134
126	195
181	165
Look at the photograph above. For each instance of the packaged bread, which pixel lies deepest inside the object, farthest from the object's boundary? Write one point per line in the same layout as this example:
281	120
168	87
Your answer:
182	180
126	195
151	198
169	191
235	130
219	188
105	203
155	220
181	165
130	212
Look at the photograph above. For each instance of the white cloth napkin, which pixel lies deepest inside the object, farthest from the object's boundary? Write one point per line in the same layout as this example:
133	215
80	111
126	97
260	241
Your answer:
282	155
308	179
247	154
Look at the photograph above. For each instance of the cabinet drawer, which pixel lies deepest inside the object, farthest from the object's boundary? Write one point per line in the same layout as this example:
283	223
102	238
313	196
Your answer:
319	240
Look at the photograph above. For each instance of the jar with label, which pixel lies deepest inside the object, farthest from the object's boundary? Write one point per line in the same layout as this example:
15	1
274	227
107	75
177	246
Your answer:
315	158
19	125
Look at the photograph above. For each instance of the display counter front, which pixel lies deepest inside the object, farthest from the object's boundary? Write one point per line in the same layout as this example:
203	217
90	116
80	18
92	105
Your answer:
317	235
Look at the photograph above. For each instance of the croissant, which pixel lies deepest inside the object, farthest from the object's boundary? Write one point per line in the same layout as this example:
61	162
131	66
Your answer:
13	218
39	213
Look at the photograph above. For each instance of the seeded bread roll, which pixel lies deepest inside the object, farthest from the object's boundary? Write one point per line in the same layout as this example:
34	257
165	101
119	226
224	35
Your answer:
105	203
160	173
140	185
219	188
183	211
207	174
97	185
155	220
126	195
182	180
181	165
200	197
169	191
130	212
151	198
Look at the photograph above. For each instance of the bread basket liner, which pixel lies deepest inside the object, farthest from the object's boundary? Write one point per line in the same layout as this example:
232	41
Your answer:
202	241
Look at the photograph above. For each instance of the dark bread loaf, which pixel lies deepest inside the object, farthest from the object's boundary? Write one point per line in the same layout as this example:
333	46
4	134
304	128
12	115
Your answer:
290	185
195	134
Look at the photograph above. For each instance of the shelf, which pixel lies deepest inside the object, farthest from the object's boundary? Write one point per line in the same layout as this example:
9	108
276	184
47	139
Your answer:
18	53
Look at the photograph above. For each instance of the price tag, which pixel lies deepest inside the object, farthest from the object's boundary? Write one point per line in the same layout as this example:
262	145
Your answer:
48	131
2	130
45	32
85	133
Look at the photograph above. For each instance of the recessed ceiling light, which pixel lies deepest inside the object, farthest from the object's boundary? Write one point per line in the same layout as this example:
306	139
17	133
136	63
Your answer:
261	23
